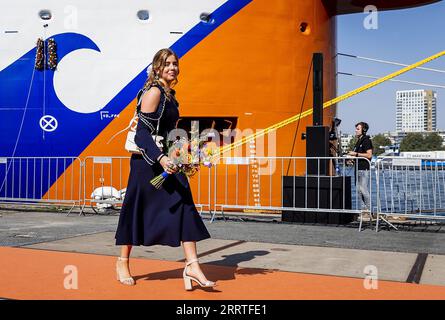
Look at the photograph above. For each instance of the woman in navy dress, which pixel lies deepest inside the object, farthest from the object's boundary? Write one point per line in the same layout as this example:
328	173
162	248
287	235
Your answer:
165	216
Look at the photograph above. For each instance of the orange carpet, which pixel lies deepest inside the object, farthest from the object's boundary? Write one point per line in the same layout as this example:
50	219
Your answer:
39	274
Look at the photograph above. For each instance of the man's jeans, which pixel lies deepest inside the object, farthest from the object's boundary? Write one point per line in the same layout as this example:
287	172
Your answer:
363	187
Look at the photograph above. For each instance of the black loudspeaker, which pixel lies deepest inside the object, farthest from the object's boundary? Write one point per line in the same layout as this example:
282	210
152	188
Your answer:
317	145
317	88
318	195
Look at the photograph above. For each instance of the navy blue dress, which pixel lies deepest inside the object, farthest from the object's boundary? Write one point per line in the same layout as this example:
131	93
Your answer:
151	216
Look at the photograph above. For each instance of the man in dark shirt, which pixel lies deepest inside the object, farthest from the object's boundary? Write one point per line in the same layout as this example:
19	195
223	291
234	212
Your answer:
363	149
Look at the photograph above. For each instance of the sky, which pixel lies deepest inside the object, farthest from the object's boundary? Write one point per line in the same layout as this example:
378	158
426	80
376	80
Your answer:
404	36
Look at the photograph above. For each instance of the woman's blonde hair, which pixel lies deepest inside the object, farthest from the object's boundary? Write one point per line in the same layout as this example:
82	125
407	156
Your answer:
157	66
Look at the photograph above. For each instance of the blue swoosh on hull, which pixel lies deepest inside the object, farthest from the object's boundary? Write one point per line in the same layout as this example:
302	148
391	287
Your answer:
75	130
66	140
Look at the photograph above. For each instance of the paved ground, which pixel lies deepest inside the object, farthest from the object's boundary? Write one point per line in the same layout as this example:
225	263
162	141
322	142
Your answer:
414	255
23	228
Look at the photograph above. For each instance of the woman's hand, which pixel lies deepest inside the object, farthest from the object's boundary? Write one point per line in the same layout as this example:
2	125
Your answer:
168	165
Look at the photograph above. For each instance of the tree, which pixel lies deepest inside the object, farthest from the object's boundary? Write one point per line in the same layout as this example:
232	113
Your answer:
433	141
378	141
412	142
417	142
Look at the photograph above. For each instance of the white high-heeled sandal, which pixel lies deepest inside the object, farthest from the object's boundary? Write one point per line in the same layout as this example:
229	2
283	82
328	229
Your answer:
129	281
188	279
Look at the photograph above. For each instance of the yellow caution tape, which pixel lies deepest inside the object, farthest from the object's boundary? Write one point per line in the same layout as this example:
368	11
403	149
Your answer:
327	104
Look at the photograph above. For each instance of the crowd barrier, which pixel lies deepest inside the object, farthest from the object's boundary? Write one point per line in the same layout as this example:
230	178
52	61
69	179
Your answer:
308	185
410	188
399	187
41	180
105	180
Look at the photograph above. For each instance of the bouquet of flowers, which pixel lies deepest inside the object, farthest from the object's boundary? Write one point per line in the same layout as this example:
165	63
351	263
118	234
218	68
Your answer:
188	156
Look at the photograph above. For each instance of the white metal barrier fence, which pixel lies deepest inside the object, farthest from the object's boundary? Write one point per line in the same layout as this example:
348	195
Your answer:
105	181
282	184
411	188
253	183
50	180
